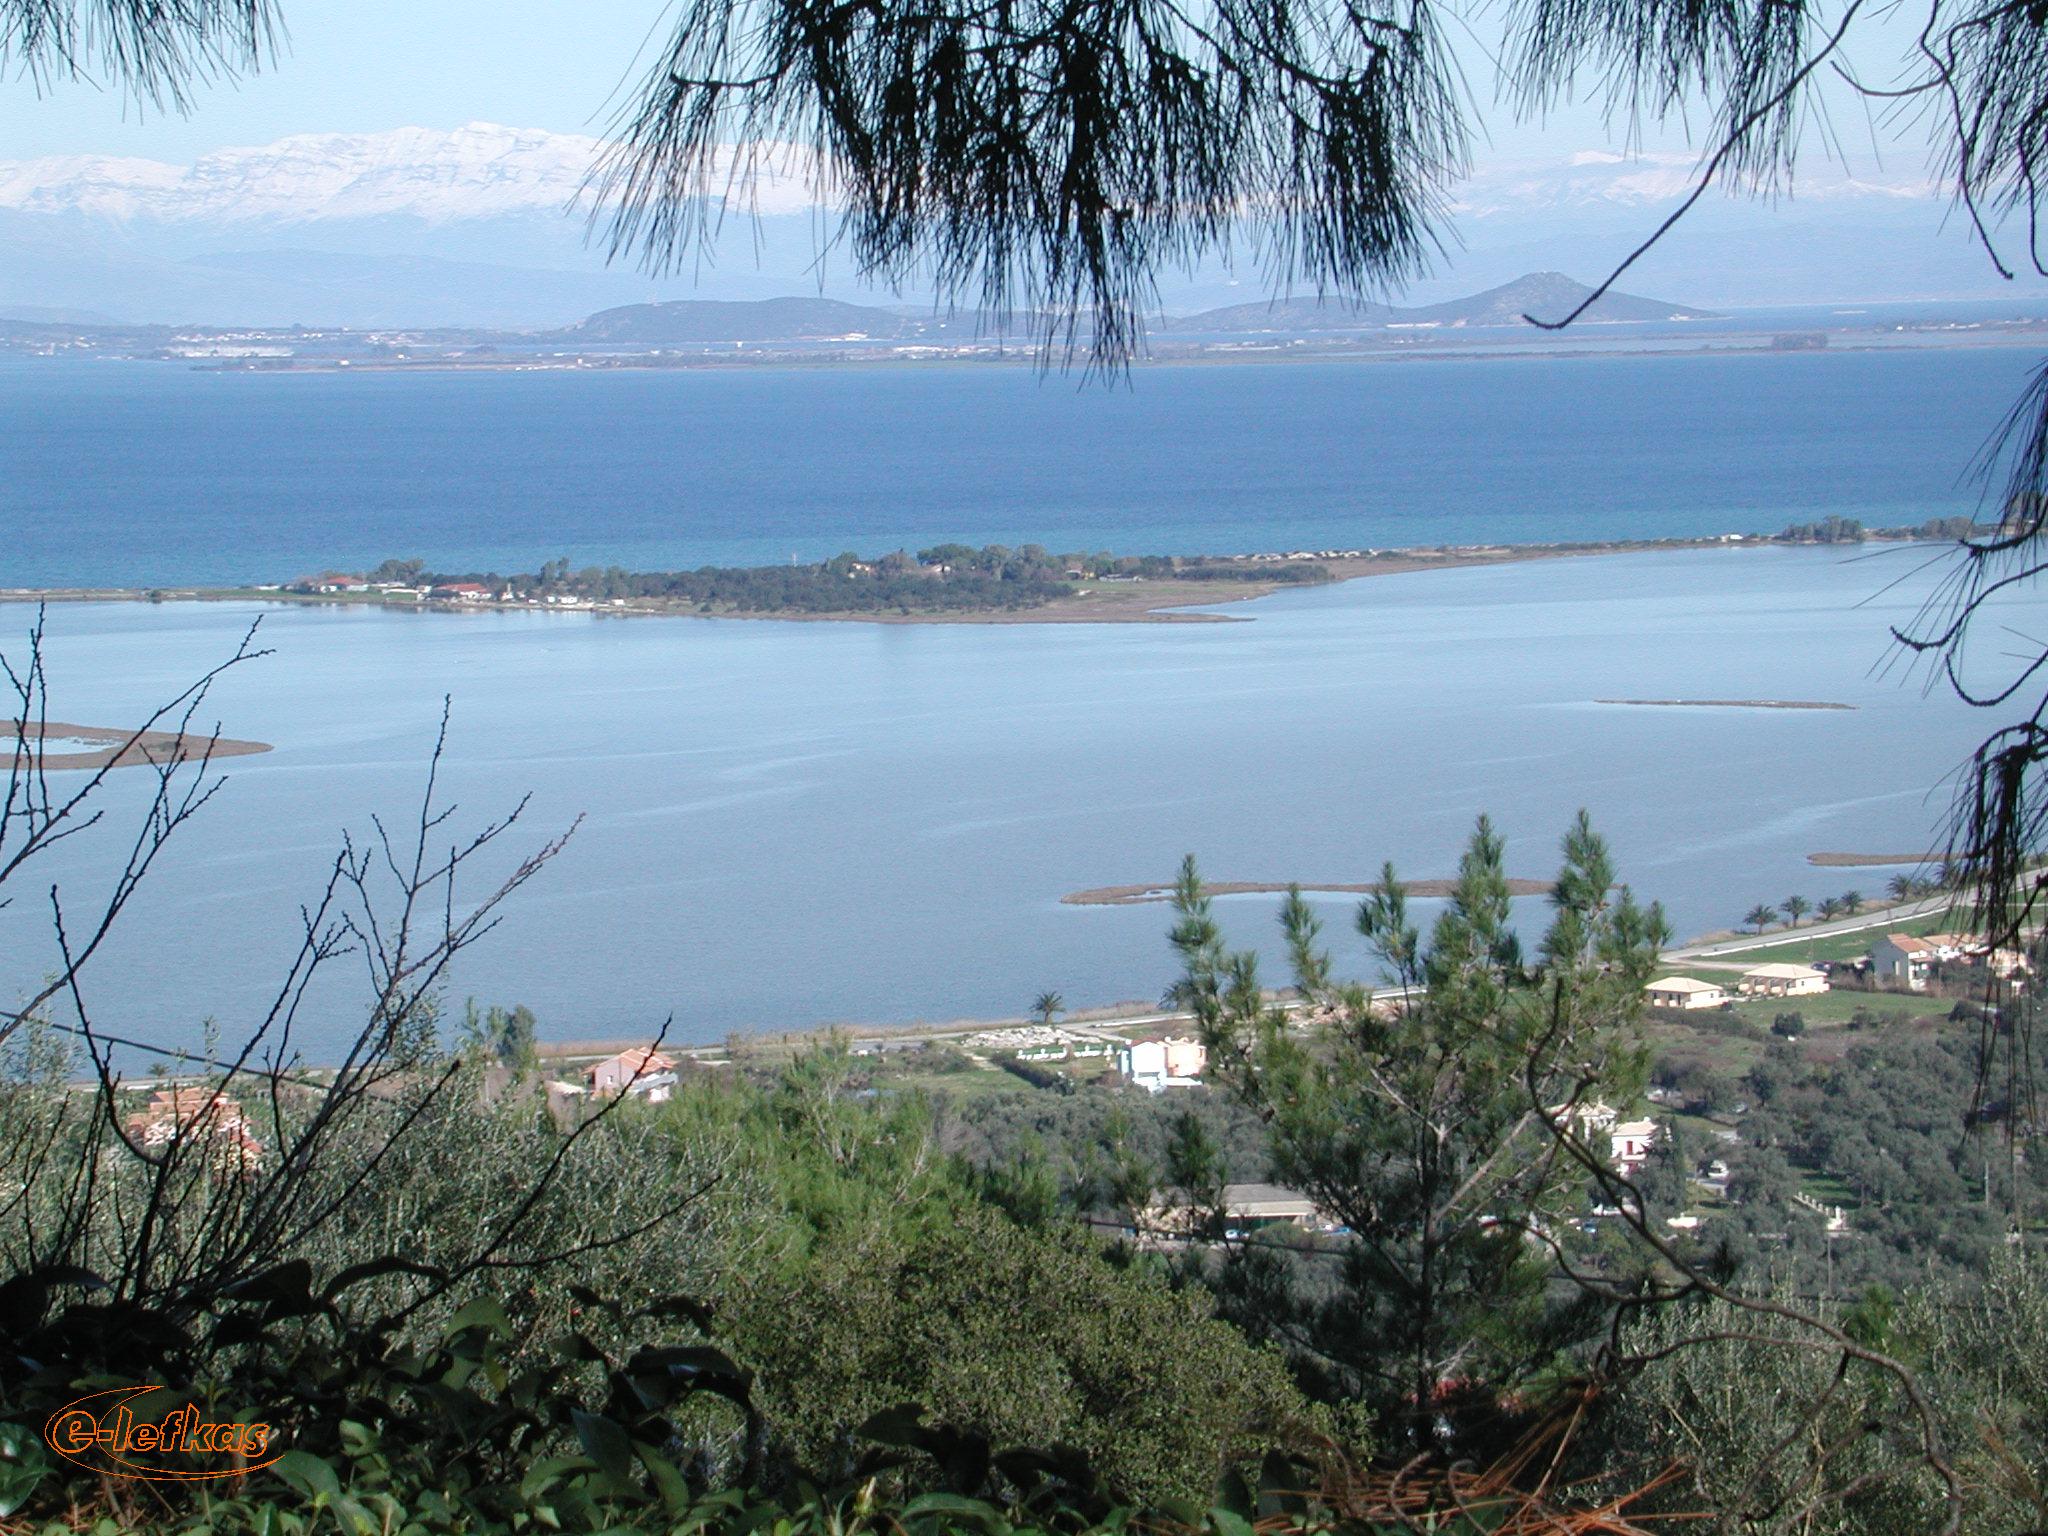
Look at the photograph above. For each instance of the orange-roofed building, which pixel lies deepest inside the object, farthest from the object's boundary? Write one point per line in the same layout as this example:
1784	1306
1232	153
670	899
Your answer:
641	1071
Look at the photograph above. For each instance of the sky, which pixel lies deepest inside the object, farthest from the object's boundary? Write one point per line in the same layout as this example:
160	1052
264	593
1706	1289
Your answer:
373	65
366	66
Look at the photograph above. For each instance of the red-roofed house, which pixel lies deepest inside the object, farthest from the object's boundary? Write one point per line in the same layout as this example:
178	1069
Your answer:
194	1112
1902	957
641	1071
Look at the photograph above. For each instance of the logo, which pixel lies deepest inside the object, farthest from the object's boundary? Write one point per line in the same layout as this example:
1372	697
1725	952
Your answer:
151	1433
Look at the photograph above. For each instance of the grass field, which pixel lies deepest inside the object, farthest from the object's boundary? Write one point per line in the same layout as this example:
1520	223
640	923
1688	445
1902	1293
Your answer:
1841	946
1832	1008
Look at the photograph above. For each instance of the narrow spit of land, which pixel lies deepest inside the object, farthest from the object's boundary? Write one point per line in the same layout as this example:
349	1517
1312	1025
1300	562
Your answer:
947	584
101	746
1137	895
1726	703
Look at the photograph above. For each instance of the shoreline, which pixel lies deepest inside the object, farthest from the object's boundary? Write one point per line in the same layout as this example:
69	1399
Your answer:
1155	601
1101	1020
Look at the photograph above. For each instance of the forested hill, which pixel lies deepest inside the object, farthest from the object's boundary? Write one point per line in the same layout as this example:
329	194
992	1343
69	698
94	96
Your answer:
1546	295
698	322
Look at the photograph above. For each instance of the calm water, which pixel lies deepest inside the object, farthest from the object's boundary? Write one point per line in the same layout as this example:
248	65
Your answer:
790	823
140	473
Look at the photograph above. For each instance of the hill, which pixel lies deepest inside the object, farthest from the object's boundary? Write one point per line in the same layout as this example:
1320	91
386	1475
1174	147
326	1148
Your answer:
701	321
1544	294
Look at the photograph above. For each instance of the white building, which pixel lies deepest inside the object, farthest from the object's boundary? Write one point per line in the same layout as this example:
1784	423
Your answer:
642	1071
1629	1143
1782	981
1685	992
1903	958
1159	1062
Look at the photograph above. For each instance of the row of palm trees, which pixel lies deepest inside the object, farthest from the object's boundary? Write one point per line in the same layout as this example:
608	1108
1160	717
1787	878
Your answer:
1793	908
1848	904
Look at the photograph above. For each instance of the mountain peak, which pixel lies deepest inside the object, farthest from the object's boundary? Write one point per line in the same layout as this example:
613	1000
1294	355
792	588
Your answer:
435	175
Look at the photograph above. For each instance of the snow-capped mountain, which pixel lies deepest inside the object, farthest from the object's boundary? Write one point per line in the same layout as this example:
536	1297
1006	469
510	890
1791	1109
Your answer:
484	170
490	225
1601	179
478	171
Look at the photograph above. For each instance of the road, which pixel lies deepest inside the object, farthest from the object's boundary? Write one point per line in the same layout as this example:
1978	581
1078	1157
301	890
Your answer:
1886	917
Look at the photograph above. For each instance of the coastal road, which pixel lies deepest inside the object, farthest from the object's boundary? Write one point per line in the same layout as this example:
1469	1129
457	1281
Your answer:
1885	917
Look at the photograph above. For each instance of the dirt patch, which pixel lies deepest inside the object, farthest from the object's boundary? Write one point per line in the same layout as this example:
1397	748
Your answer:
122	749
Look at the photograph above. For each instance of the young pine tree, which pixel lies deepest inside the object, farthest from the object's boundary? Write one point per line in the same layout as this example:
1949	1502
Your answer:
1421	1119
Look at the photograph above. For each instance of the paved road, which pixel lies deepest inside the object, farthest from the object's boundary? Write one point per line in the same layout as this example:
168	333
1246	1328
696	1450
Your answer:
1887	917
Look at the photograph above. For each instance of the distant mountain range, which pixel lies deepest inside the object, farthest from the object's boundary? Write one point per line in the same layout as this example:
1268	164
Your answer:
487	225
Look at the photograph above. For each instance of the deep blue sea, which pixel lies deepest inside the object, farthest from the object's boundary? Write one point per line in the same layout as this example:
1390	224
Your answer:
787	824
133	474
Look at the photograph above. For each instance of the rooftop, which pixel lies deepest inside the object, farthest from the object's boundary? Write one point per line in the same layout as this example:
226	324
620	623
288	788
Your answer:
1683	984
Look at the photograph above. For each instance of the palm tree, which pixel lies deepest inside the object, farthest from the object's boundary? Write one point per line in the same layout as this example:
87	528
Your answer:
1830	908
1761	916
1794	908
1048	1006
1852	902
1902	887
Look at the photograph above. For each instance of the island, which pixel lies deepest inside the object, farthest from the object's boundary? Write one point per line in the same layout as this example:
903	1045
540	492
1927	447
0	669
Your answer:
959	583
1136	895
52	745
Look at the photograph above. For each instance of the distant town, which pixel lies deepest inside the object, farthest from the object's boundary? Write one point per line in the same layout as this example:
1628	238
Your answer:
693	333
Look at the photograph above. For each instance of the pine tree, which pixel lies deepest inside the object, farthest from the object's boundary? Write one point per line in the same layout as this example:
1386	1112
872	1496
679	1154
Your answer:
1419	1122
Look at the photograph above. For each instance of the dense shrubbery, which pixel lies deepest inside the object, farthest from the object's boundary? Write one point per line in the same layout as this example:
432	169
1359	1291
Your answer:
1733	1400
946	578
1886	1122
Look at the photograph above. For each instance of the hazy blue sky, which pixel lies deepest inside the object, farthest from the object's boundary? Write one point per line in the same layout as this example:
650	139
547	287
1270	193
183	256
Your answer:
363	66
378	64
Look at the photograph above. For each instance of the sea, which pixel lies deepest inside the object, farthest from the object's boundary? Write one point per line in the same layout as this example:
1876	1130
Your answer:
774	826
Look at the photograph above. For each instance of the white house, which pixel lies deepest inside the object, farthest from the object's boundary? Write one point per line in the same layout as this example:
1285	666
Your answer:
1782	981
1246	1208
1159	1062
1629	1143
1902	957
1685	992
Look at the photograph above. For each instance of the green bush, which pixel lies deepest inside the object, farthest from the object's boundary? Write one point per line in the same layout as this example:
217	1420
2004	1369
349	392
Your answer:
1026	1338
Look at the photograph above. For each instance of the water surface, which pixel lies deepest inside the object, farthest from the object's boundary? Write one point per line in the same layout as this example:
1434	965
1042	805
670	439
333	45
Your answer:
786	824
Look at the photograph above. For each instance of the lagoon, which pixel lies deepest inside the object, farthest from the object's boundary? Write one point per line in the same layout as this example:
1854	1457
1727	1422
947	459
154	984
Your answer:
787	824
